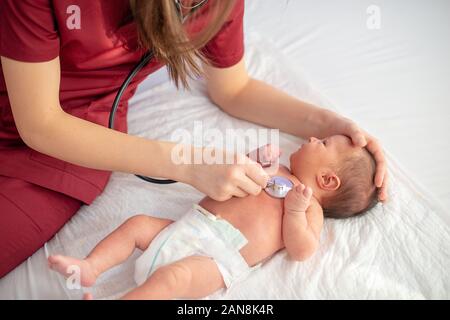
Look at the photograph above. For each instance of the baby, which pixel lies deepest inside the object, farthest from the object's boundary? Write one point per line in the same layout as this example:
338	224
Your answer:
217	243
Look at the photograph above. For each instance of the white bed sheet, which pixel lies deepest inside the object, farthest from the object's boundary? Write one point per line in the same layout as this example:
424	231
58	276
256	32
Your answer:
398	250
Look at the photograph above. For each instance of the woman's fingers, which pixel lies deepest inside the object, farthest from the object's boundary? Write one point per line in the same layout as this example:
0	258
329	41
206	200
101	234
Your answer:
265	155
250	186
271	152
257	174
381	175
251	180
362	139
238	192
356	134
382	194
375	149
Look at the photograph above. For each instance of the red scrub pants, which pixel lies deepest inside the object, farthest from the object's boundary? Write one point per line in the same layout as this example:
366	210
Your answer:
30	215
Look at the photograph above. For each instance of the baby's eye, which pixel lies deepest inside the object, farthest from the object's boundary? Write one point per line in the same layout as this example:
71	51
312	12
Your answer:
324	142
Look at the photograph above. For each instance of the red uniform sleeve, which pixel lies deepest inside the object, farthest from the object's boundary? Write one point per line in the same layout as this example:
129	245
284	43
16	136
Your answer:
28	30
227	47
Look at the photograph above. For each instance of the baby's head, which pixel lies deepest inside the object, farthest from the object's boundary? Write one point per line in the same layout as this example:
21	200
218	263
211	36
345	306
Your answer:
340	174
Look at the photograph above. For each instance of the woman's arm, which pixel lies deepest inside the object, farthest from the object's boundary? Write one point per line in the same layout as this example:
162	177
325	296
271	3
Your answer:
33	90
253	100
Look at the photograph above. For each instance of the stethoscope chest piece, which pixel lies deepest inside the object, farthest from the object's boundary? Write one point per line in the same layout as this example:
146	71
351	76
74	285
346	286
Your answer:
278	187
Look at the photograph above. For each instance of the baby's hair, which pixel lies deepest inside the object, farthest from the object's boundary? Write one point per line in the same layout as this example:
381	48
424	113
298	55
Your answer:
357	193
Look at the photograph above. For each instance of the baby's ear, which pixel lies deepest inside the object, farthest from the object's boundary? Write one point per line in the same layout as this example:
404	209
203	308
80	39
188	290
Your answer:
328	180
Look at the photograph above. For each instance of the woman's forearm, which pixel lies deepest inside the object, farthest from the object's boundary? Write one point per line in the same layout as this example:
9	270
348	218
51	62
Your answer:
261	103
90	145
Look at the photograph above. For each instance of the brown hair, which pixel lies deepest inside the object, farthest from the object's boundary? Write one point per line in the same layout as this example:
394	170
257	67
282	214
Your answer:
160	29
357	193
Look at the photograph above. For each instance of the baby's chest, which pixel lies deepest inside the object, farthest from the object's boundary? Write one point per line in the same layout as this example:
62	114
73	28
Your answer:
262	215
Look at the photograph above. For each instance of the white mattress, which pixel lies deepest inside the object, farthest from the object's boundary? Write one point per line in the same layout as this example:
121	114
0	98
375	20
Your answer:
399	250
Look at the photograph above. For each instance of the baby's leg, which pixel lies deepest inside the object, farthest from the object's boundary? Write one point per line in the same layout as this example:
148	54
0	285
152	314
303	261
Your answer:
136	232
192	278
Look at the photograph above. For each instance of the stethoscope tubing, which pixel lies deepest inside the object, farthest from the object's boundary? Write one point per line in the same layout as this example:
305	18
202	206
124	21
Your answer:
144	61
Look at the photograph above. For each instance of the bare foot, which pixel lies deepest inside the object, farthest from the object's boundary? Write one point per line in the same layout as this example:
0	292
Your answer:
88	296
62	265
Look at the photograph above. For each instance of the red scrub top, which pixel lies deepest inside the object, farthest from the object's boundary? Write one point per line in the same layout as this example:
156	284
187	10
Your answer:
97	51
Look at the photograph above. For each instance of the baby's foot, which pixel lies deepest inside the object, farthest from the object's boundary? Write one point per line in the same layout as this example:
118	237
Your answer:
62	265
88	296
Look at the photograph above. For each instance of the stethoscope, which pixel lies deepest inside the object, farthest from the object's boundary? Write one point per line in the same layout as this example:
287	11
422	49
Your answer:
141	64
277	186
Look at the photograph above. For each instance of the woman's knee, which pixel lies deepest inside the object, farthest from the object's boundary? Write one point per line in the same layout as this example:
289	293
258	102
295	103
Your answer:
28	220
20	236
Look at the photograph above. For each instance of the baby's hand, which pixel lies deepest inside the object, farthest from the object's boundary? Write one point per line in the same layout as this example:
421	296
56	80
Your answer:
298	199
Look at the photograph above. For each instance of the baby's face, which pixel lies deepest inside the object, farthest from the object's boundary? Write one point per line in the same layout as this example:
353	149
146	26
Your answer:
316	155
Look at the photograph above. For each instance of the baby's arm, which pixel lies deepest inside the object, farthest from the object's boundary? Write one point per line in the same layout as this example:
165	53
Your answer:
302	223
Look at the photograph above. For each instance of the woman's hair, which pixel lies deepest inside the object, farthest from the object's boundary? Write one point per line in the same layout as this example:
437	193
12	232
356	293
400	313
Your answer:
174	44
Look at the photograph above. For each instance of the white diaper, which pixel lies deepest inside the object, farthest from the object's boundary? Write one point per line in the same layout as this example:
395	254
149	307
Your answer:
197	233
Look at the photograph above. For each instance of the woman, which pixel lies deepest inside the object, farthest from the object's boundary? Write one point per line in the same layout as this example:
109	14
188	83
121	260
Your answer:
62	64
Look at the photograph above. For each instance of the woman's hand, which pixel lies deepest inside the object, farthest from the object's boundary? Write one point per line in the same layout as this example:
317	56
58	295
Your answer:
363	139
220	182
266	155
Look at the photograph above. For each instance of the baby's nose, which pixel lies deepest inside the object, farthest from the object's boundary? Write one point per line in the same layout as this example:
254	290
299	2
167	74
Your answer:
312	139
